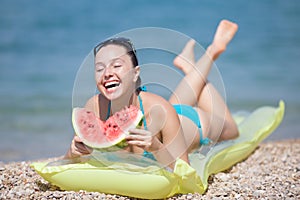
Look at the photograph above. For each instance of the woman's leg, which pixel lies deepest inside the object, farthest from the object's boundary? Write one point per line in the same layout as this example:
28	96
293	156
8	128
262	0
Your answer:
194	90
196	73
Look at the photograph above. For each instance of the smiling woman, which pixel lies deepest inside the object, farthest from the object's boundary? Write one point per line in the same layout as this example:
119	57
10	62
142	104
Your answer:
115	70
117	79
162	157
171	129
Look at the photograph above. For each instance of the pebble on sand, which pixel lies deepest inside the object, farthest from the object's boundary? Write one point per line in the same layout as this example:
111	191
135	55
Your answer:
271	172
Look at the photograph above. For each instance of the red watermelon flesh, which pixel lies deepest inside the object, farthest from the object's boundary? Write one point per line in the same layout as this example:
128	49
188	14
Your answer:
99	134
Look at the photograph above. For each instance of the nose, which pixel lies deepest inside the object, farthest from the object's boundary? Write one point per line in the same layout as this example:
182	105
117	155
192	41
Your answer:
108	72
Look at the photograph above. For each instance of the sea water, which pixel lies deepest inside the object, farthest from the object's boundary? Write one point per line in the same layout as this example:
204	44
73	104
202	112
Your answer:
43	43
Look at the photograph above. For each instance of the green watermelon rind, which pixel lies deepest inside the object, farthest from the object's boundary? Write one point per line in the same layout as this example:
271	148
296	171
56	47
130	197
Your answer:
122	144
118	143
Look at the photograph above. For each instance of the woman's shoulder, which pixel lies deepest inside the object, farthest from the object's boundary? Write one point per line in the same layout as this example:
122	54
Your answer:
151	99
158	108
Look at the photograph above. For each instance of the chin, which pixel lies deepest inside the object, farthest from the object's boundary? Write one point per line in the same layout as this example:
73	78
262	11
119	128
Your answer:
112	94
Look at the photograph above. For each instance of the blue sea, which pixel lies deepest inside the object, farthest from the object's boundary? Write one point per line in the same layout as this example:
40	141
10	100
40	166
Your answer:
43	43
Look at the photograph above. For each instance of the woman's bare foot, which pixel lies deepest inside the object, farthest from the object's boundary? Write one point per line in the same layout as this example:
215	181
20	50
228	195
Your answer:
225	32
185	61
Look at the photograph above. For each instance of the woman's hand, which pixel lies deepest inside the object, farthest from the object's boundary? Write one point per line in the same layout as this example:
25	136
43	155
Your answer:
143	139
78	148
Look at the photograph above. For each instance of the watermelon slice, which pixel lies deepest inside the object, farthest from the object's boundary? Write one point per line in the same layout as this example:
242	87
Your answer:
99	134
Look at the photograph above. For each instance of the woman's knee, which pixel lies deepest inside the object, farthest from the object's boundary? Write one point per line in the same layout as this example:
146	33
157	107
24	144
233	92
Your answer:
230	131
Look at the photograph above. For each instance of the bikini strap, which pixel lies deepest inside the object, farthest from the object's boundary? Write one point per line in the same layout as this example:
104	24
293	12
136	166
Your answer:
143	88
145	153
142	109
204	141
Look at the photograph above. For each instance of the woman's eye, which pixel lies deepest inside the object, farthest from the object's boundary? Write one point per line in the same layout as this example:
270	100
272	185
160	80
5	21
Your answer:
99	69
117	65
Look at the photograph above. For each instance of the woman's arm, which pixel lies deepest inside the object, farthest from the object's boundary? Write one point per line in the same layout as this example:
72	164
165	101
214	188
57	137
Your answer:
77	148
164	137
172	134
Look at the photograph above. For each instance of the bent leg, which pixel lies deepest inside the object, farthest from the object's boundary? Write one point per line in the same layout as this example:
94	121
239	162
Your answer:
218	122
194	89
189	89
185	61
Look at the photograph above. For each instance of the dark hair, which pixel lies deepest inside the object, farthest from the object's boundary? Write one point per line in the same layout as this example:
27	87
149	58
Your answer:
120	41
127	44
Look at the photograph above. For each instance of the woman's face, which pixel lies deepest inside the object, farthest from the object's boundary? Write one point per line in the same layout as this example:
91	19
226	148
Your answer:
114	72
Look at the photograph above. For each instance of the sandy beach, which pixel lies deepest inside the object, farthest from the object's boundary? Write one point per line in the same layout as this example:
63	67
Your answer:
271	172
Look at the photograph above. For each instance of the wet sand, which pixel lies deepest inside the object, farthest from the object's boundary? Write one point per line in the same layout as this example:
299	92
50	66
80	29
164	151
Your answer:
271	172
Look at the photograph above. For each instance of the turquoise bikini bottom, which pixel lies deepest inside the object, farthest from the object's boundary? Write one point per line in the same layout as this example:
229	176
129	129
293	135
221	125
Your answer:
191	113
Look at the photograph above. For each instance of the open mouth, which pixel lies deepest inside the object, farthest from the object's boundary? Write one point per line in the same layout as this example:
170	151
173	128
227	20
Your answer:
111	84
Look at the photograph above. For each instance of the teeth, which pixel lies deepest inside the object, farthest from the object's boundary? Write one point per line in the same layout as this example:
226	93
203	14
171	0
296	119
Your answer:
111	84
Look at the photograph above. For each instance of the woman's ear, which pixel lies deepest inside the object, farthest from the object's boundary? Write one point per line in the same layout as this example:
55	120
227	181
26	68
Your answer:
137	73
